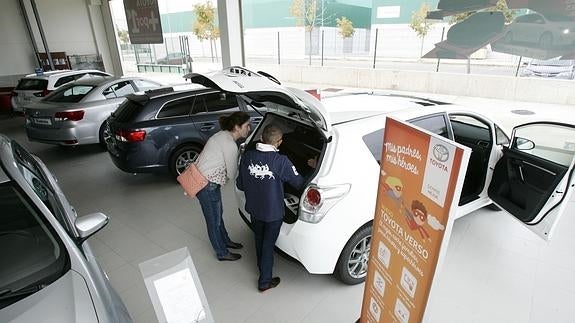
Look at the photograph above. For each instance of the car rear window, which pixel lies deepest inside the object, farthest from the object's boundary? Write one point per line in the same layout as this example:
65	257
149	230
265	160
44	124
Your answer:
71	94
374	142
29	84
128	111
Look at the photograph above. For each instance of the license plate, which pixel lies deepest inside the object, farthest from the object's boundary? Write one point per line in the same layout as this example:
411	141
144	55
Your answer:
43	121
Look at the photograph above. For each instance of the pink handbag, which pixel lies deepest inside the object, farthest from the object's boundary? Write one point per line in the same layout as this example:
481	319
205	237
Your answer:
192	180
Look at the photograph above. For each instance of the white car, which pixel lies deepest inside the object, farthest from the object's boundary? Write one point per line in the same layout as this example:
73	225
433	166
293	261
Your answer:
546	32
33	87
327	225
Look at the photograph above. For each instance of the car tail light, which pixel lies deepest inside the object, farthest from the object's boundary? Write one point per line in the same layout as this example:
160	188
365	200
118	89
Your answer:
130	135
42	94
69	115
318	201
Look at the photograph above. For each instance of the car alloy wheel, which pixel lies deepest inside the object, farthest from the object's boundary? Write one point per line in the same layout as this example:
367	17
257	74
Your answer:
357	262
351	266
183	157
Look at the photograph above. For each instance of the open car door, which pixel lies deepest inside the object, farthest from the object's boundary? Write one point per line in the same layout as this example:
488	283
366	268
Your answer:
533	181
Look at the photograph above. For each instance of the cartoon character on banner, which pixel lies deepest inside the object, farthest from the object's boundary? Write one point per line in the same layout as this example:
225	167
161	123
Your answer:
393	188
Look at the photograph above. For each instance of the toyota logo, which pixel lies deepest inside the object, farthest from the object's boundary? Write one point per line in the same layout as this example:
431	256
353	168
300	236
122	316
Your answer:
441	153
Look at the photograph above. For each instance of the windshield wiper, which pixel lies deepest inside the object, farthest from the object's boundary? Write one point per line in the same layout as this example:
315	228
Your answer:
8	293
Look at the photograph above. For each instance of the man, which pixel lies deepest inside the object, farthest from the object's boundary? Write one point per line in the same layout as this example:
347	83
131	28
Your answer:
262	173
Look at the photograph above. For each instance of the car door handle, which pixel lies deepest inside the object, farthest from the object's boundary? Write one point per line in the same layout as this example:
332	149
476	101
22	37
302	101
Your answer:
521	173
207	126
483	144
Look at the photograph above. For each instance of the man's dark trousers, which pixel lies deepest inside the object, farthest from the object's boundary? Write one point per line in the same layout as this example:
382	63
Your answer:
266	234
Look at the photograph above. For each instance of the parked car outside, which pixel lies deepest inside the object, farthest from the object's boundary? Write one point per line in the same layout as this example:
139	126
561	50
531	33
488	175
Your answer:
165	131
32	88
174	59
75	114
327	225
49	272
545	32
552	68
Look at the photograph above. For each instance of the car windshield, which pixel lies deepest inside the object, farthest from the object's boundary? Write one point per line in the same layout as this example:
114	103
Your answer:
70	94
31	84
32	254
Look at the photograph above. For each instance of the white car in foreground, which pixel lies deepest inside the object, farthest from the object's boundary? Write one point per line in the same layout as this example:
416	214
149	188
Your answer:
327	225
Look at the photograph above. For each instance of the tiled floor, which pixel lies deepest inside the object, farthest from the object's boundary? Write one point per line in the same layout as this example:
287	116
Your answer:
494	271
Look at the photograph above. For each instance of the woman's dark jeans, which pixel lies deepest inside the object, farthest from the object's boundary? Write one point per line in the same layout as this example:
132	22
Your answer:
210	198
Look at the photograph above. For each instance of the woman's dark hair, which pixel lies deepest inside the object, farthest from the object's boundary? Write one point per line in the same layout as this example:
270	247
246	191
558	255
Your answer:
235	119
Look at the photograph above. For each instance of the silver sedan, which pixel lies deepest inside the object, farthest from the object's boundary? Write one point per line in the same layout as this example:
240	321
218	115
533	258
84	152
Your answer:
75	114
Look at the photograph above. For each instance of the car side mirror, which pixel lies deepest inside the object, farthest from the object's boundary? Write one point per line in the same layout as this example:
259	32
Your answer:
88	225
523	144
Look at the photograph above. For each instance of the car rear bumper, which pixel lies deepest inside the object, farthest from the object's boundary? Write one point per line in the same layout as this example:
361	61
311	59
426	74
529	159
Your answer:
134	158
67	136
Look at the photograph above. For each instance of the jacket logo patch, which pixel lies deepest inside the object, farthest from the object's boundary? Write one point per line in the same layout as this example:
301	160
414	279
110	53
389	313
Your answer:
260	171
294	170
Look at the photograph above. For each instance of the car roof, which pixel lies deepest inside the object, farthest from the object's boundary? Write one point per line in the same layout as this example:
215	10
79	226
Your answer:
167	93
347	107
97	81
61	73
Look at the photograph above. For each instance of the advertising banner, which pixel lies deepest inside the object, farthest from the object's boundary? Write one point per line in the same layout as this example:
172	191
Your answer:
144	25
419	187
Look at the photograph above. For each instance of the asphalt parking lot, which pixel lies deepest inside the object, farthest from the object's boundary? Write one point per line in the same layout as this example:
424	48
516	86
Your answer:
495	270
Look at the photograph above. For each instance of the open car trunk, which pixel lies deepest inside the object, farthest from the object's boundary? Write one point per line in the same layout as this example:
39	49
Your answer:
300	143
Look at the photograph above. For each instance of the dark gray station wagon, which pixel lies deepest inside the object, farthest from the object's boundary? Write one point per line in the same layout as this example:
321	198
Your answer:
162	130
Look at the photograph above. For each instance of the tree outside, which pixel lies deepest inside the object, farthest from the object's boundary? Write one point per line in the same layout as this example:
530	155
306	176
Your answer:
346	29
420	24
501	5
308	13
205	27
123	36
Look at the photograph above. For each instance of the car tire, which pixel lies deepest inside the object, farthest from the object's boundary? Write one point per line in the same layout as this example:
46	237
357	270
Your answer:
182	157
351	268
102	136
493	207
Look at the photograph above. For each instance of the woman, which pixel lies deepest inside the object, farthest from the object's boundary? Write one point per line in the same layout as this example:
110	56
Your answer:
218	163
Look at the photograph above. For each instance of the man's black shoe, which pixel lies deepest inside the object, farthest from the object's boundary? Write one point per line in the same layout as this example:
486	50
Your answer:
275	281
230	257
234	245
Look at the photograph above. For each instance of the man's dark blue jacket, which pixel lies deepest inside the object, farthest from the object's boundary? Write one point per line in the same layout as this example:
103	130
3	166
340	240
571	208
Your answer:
262	173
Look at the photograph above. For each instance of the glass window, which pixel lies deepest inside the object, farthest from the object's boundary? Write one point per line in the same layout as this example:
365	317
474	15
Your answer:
178	108
374	142
66	79
32	253
72	93
552	142
38	181
435	124
501	136
118	90
144	85
220	102
32	84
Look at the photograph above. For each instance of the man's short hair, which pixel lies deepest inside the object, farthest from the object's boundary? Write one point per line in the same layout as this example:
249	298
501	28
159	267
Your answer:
272	134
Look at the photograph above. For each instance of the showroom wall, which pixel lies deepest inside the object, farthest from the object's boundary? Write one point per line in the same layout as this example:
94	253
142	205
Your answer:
73	26
16	51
